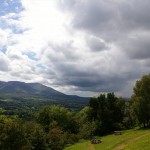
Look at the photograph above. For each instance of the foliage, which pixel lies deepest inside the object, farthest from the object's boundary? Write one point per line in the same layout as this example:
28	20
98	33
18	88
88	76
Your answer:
55	138
86	127
141	101
12	135
19	135
25	106
36	136
107	112
56	116
128	121
71	138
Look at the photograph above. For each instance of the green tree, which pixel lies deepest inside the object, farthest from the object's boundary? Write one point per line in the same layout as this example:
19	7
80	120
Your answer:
86	127
128	121
107	111
12	134
56	139
16	134
56	116
141	101
35	135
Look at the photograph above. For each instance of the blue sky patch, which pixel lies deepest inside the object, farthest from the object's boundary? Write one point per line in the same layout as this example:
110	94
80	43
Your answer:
31	55
17	30
10	6
3	49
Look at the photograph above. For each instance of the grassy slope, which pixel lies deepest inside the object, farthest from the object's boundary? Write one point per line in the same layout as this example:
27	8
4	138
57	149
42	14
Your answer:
110	142
141	144
78	146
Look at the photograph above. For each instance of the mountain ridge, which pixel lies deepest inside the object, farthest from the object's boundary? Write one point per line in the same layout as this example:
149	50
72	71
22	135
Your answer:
18	88
22	99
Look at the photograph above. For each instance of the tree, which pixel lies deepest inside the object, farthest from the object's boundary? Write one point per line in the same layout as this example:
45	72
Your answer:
55	139
86	126
128	121
56	116
107	111
141	101
16	134
12	135
35	136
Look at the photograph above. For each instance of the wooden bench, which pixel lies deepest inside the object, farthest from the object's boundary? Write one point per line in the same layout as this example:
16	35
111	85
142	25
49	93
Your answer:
117	133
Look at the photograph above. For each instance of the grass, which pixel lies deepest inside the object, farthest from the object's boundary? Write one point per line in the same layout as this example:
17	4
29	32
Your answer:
79	146
141	144
112	142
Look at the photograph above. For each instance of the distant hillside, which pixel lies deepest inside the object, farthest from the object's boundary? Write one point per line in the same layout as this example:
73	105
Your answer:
32	89
27	89
15	95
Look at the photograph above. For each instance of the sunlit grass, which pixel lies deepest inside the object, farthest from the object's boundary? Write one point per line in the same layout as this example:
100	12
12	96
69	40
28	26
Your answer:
141	144
109	141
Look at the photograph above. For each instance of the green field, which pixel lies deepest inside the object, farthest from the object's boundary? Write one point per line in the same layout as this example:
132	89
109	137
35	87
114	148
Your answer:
129	140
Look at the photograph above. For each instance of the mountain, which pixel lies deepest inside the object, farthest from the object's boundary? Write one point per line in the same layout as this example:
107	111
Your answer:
15	88
16	95
32	89
28	89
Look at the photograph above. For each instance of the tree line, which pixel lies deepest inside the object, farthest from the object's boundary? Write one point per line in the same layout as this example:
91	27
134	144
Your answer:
54	127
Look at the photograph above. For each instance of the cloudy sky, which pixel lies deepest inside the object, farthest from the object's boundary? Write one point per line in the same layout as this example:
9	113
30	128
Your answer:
81	47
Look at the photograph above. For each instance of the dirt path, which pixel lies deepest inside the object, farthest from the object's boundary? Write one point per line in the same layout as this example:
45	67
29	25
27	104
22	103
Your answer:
91	147
124	144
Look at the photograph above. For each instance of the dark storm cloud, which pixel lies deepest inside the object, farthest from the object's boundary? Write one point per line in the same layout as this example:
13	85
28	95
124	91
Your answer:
135	14
97	83
123	24
138	48
110	18
91	15
86	78
82	80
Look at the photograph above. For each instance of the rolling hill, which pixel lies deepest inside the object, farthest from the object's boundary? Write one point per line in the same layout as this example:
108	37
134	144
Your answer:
16	88
16	96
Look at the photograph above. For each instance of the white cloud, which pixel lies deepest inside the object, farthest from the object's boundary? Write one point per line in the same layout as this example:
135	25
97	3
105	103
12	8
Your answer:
4	35
4	63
